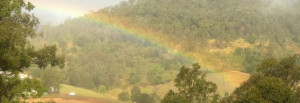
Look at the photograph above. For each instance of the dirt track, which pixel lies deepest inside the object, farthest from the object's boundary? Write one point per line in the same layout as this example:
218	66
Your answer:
67	99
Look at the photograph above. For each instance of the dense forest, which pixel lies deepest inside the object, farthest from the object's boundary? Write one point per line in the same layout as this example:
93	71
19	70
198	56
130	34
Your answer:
238	32
173	53
98	55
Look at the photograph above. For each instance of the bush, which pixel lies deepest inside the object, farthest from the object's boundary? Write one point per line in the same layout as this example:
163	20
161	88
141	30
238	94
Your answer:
155	75
296	39
134	78
238	51
102	89
124	96
146	98
251	59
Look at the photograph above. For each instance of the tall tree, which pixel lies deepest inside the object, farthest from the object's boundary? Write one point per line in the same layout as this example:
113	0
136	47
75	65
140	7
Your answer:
192	86
17	25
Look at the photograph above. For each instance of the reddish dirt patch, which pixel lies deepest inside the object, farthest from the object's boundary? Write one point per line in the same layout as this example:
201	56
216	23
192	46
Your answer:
66	99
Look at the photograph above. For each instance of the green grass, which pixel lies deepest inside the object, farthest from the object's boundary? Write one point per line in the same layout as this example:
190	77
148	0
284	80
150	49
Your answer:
65	89
112	95
161	90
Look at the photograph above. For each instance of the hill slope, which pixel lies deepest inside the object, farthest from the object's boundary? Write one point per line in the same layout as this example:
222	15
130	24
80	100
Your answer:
228	32
225	37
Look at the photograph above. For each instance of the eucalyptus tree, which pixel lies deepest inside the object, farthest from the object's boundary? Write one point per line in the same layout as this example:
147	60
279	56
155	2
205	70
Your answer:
17	27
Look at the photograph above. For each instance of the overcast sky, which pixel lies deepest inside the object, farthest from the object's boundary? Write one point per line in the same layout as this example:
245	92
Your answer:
56	11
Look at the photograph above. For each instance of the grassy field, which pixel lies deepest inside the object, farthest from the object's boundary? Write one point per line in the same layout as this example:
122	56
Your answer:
65	89
112	95
226	81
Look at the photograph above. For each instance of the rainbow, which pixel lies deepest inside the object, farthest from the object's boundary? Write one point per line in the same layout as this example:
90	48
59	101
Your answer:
149	35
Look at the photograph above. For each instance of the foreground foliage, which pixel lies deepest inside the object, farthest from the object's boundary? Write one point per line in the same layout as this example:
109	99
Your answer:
17	26
260	89
275	82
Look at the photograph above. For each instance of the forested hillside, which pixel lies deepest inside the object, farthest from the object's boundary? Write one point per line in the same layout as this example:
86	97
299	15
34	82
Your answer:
98	55
222	35
154	51
238	32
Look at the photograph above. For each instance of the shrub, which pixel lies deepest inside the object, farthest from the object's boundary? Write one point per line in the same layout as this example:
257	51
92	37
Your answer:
124	96
102	89
155	75
146	98
134	78
135	93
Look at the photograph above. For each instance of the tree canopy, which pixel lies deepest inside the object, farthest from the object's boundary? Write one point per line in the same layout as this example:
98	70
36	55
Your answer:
266	28
263	90
97	54
275	82
17	26
192	87
288	69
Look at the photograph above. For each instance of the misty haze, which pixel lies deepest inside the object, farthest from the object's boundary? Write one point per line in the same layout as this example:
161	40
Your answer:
149	51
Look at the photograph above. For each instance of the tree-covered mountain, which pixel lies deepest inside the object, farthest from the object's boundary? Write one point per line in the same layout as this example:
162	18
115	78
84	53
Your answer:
232	30
220	35
98	55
